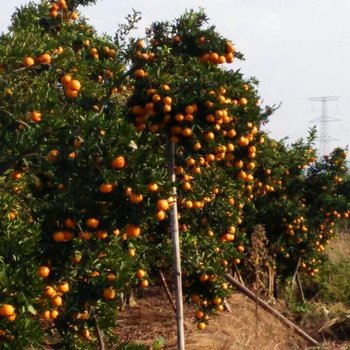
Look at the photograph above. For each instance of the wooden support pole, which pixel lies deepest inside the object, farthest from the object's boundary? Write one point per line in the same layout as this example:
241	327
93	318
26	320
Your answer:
239	277
300	287
271	310
174	227
167	291
98	331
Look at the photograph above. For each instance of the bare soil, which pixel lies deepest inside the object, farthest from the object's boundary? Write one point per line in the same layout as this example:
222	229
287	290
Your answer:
247	327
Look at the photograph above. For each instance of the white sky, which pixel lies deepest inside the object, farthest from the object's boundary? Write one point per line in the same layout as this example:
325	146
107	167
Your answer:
296	48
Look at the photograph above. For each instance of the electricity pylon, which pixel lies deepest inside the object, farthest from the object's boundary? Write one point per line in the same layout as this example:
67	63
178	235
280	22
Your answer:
324	120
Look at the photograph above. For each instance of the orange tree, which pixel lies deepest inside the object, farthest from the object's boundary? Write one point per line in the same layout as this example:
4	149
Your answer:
83	169
85	121
184	95
298	200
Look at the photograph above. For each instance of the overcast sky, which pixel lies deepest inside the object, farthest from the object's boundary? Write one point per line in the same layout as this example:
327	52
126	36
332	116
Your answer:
296	48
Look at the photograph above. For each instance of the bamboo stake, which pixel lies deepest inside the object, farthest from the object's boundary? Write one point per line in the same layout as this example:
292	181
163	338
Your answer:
174	226
167	291
300	288
296	272
271	310
98	331
240	279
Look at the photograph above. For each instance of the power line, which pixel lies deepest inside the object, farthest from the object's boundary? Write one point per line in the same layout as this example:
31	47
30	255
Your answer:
324	120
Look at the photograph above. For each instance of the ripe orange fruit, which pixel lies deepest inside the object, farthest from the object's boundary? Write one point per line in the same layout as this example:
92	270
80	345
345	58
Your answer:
92	223
217	301
74	85
71	93
111	277
35	116
53	13
197	146
43	271
62	4
243	141
47	315
136	198
52	156
12	317
132	252
240	248
74	16
101	234
118	162
94	274
49	292
140	273
57	301
106	188
86	334
229	47
203	277
144	284
69	223
7	310
152	187
140	44
64	287
54	7
167	100
156	98
209	136
76	259
44	58
213	57
28	61
221	59
199	314
201	326
187	132
139	73
186	186
162	204
109	293
59	236
132	230
66	79
219	308
243	101
16	175
160	215
53	314
12	215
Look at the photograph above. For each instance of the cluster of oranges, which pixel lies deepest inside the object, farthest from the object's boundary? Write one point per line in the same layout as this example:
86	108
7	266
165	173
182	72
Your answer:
61	7
44	58
141	274
96	53
216	58
54	294
71	86
8	311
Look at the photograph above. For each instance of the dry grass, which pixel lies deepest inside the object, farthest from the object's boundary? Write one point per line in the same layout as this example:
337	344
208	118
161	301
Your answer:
245	329
339	249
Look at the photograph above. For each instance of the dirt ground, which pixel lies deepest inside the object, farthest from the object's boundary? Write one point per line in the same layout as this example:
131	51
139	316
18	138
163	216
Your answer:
244	328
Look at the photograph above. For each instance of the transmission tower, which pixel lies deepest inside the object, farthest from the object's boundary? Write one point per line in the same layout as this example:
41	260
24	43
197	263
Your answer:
324	120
